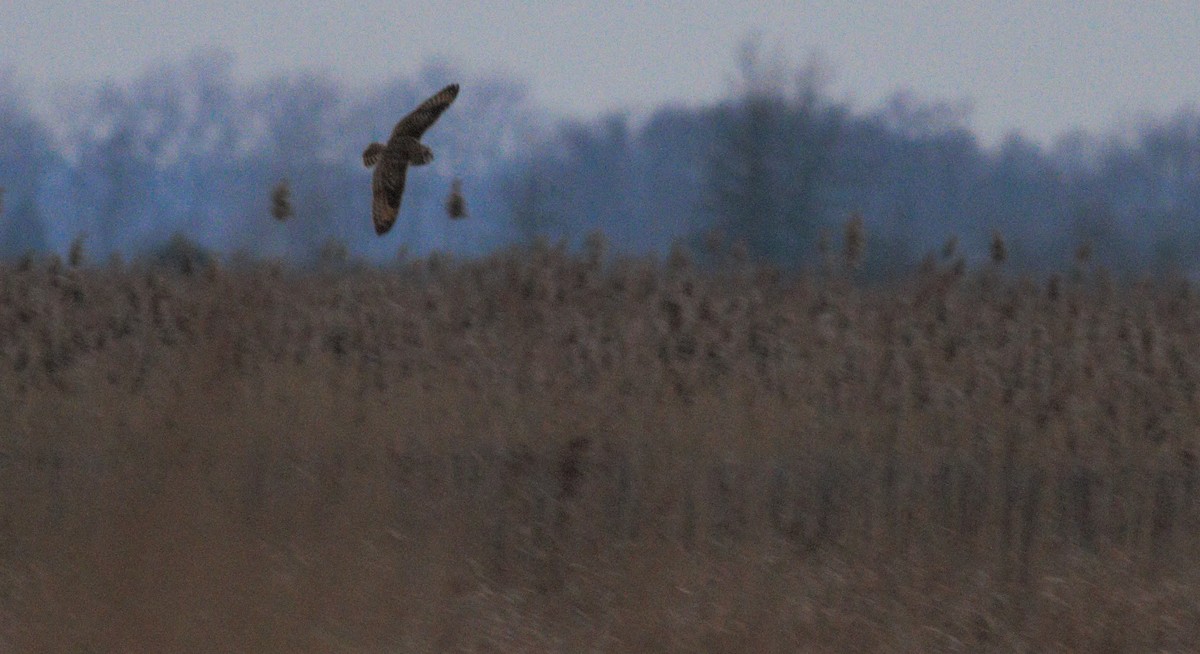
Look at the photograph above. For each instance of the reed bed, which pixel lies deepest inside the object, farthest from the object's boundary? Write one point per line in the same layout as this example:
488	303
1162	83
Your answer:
548	452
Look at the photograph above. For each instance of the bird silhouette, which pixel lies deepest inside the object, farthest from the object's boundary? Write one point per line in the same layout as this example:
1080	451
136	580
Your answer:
404	148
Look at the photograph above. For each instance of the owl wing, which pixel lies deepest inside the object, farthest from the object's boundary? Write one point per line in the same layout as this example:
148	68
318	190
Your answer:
387	186
414	124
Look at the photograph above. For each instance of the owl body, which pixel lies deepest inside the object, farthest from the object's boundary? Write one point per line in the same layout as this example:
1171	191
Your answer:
403	149
411	150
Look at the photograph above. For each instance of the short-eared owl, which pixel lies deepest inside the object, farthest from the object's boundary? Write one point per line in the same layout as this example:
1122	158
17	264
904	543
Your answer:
456	204
403	149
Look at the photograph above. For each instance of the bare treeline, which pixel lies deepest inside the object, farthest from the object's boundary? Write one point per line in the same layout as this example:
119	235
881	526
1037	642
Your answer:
186	147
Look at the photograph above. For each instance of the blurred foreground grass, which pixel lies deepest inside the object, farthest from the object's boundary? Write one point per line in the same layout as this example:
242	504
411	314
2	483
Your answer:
541	452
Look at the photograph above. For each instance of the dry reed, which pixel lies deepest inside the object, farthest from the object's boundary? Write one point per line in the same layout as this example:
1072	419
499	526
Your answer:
542	452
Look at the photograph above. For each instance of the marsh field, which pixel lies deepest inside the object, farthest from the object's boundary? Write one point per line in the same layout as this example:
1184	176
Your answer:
544	451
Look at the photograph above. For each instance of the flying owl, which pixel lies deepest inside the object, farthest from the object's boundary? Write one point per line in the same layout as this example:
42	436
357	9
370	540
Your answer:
403	149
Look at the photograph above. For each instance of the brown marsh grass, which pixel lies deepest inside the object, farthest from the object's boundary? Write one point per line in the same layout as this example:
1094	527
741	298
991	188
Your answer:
540	452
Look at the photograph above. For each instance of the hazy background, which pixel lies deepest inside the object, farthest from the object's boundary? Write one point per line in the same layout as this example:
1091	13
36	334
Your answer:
1039	67
1055	123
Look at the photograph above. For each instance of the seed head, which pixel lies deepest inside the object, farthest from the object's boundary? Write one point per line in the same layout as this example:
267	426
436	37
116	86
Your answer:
456	204
75	254
854	240
1083	253
999	249
950	248
823	243
281	201
714	240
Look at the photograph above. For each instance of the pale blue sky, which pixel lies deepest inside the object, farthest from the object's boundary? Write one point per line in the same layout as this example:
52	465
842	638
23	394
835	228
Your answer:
1039	66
